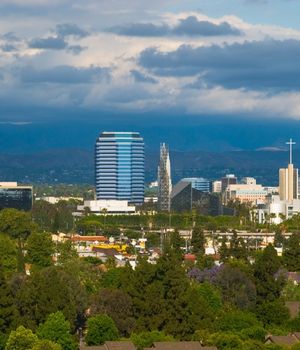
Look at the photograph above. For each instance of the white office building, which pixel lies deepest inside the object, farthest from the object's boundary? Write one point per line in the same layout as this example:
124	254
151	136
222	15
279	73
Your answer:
102	207
285	205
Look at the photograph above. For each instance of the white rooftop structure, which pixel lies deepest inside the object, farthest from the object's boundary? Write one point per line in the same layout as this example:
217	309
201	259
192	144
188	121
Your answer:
107	206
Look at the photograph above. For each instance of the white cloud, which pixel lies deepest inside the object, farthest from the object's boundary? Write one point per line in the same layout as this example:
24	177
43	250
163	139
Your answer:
119	53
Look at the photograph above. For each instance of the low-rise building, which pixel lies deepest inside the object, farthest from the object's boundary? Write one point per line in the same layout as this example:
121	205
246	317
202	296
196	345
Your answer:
55	200
275	211
103	206
246	193
217	186
185	197
15	196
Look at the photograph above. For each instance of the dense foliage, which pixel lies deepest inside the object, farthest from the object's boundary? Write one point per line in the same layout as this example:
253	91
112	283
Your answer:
232	304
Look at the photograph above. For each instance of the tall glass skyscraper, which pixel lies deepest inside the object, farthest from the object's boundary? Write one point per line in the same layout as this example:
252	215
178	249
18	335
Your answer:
119	166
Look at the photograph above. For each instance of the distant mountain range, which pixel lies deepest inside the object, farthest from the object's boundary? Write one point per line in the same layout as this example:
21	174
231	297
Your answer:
77	165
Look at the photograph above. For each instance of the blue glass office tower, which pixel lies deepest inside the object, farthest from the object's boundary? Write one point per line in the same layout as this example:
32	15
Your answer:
119	166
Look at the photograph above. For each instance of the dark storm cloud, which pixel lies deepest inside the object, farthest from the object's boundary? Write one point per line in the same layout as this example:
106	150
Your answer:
189	26
50	43
193	27
65	75
55	43
67	29
140	29
8	47
142	78
251	65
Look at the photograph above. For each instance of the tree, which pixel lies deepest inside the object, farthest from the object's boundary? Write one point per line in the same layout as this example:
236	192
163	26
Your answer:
47	291
268	285
180	312
7	308
272	313
224	250
40	249
205	262
112	278
236	321
87	275
146	291
146	339
211	296
116	304
43	214
57	329
291	253
198	241
21	339
236	287
176	242
18	225
226	341
100	328
237	247
8	255
278	238
46	345
66	252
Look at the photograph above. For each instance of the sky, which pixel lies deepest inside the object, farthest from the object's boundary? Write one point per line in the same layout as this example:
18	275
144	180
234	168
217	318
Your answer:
68	59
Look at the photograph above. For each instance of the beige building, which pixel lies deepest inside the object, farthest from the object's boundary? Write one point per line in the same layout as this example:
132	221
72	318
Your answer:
288	179
288	183
217	186
249	180
254	194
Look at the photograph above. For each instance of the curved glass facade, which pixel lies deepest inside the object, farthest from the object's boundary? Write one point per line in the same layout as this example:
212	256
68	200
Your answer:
119	166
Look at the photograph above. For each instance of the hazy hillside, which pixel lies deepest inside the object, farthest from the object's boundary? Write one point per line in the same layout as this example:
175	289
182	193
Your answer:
76	165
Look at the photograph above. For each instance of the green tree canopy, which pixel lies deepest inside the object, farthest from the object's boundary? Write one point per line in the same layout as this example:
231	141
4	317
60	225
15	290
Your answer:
46	345
8	254
66	252
47	291
176	242
226	341
21	339
238	248
268	285
7	308
18	225
146	339
224	251
236	287
100	328
57	329
236	320
198	241
116	304
211	296
273	313
291	253
40	249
